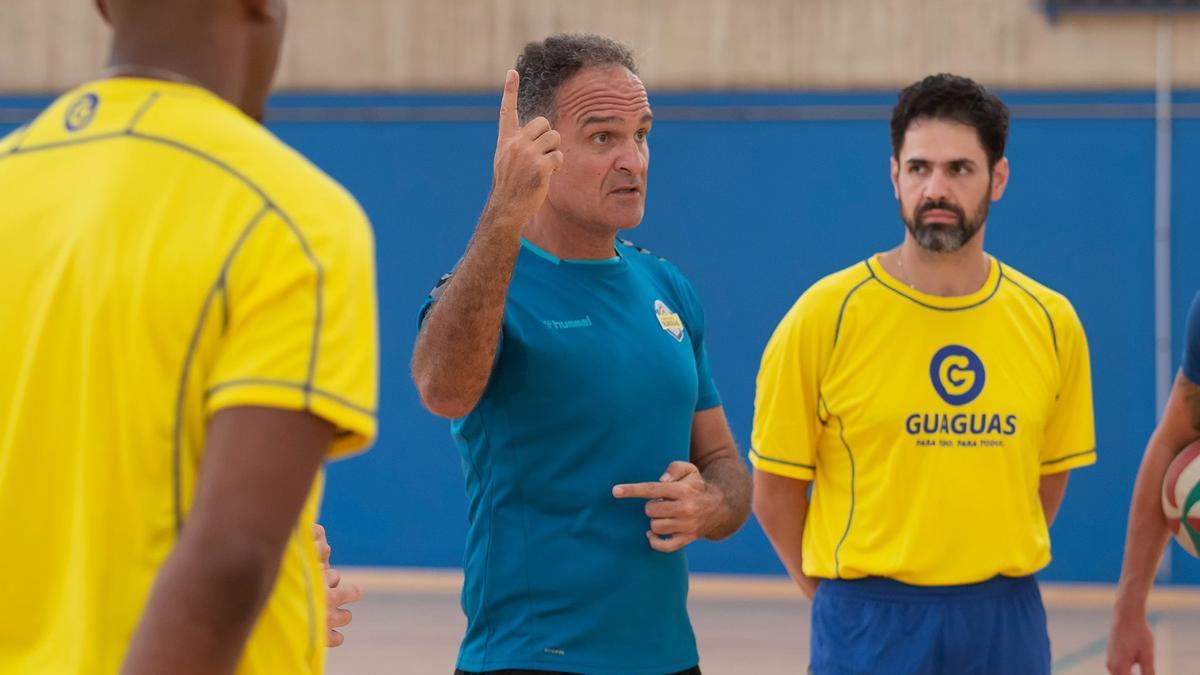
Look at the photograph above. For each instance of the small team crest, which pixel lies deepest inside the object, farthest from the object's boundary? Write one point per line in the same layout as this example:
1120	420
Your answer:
669	320
81	112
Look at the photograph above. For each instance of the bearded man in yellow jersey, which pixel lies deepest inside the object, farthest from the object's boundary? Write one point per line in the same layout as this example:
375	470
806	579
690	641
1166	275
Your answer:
934	399
189	332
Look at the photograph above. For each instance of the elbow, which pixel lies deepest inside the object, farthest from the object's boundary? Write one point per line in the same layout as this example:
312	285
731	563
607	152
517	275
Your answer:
438	400
762	513
766	511
238	576
249	578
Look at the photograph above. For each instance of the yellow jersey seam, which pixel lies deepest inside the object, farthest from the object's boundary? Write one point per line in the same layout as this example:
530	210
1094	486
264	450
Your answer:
1049	319
1073	455
289	384
177	435
767	458
901	293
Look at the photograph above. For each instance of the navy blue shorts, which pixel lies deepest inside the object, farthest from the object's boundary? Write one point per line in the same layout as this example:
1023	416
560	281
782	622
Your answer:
876	625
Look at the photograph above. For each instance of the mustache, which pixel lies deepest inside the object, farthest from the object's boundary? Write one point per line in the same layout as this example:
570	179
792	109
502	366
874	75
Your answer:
942	205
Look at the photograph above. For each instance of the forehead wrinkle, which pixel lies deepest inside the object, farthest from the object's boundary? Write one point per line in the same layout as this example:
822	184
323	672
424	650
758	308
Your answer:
606	117
629	95
607	108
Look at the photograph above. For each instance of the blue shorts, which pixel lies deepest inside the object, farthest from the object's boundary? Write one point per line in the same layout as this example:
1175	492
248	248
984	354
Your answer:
876	625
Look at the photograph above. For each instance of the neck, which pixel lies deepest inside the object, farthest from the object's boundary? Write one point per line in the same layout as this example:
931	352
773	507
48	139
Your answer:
962	272
180	63
567	240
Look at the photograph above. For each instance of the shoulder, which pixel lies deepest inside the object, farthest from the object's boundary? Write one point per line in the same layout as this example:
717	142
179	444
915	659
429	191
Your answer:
249	154
831	293
658	268
1054	304
10	139
647	260
668	278
818	312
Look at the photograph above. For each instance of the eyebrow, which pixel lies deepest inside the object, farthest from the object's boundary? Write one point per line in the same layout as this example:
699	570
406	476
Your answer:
922	160
597	119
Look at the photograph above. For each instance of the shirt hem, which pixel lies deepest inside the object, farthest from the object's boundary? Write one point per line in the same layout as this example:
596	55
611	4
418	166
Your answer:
1068	462
780	467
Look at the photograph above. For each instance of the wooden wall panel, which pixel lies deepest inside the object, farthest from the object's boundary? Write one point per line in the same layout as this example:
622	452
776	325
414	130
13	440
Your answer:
681	44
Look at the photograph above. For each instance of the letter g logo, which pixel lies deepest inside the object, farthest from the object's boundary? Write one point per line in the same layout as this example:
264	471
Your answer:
957	374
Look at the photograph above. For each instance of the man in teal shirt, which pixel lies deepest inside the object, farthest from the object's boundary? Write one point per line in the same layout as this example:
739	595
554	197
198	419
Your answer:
573	367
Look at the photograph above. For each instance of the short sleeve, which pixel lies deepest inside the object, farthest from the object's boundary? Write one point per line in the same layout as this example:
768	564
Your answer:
1191	343
1070	435
434	294
299	311
708	396
787	419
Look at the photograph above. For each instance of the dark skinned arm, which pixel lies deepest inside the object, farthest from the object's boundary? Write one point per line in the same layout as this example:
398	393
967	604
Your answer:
258	469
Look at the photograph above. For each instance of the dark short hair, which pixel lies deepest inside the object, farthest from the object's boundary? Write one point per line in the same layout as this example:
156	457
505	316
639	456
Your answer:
544	66
952	97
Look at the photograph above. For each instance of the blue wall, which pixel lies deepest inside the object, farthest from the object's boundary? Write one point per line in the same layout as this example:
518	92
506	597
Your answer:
753	212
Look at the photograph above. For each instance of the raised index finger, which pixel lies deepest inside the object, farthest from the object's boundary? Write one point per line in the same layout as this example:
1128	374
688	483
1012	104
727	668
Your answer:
509	125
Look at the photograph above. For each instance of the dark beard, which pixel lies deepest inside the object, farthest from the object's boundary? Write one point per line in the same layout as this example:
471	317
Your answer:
942	237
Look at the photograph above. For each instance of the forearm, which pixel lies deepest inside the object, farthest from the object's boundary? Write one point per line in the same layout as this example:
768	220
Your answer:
256	473
201	611
785	531
781	506
786	536
1147	532
455	350
731	482
1051	489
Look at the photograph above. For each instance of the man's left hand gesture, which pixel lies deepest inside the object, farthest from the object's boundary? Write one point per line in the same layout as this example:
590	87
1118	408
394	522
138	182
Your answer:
682	507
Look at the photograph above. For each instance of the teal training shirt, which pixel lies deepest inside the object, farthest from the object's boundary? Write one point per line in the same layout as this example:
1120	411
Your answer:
601	368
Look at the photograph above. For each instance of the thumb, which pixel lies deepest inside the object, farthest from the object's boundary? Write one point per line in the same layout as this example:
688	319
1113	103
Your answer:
677	471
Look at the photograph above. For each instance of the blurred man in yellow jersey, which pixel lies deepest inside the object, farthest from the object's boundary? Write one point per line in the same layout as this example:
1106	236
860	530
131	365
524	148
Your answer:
935	398
189	332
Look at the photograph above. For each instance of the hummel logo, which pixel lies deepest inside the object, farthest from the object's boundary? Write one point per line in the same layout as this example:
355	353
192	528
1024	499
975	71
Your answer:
585	322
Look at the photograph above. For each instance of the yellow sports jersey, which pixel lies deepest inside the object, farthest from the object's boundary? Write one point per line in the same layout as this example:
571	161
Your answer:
162	257
924	423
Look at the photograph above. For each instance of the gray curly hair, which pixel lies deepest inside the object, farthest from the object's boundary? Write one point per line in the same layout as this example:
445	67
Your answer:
545	65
